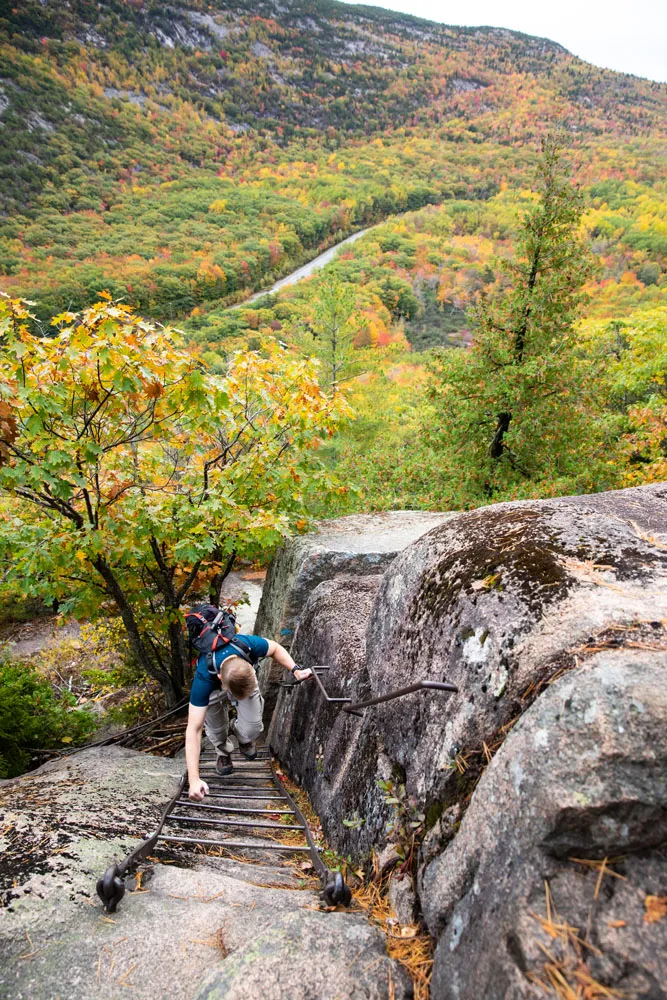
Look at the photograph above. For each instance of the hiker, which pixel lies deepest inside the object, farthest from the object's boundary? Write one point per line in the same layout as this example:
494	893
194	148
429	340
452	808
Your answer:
227	673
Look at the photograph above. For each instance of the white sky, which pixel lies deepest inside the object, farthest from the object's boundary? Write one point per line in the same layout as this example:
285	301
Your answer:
625	35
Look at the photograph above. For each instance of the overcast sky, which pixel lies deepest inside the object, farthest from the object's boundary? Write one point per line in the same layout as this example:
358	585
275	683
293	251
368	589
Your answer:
630	36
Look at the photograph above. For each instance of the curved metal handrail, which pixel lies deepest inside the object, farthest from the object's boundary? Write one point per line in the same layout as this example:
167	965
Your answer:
354	708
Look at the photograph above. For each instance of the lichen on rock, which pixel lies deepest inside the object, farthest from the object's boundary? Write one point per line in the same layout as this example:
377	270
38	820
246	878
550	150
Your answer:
583	776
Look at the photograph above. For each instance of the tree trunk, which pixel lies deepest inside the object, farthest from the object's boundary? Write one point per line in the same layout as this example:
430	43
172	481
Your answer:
497	446
219	578
137	644
172	692
179	667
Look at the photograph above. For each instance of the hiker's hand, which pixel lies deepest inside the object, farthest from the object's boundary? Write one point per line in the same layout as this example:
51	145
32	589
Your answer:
302	674
198	790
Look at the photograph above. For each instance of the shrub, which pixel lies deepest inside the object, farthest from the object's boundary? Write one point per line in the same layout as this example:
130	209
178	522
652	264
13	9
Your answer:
32	717
649	272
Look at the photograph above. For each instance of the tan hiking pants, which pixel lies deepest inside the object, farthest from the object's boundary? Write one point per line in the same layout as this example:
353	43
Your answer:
248	718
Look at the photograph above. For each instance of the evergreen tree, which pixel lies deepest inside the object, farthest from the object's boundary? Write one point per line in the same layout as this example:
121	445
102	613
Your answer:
329	331
518	409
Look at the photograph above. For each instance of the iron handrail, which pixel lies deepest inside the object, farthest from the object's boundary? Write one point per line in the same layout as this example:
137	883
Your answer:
400	692
354	708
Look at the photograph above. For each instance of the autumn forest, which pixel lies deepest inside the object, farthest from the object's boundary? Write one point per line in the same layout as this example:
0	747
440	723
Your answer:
497	332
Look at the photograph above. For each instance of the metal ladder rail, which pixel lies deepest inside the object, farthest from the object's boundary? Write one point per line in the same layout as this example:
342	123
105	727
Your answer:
334	889
246	772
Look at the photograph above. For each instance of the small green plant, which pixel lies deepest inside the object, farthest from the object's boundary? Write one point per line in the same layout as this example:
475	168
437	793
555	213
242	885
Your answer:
407	824
33	717
335	862
355	822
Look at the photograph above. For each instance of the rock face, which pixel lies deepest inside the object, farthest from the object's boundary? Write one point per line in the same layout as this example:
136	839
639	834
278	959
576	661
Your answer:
523	606
359	545
582	775
216	928
298	954
337	757
497	601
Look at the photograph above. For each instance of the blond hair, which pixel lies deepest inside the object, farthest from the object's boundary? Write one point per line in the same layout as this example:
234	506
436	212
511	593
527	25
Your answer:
238	676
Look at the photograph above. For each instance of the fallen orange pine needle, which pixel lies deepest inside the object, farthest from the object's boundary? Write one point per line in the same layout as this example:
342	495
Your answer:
656	909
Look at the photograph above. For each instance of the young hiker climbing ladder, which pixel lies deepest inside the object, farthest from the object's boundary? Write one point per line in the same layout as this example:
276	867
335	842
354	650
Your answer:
226	672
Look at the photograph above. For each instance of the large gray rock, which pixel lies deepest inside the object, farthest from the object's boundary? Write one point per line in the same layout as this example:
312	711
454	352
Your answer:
358	545
197	924
305	955
582	775
499	600
337	757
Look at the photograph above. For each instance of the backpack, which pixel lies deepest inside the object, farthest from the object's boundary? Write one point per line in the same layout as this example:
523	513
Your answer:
210	628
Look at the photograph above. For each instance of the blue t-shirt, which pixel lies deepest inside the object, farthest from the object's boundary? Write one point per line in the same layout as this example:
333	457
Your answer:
204	683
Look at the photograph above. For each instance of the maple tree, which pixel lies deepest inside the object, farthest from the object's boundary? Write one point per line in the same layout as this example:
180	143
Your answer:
136	475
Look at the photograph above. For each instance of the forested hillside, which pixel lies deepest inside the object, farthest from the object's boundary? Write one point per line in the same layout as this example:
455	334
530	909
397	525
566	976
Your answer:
178	155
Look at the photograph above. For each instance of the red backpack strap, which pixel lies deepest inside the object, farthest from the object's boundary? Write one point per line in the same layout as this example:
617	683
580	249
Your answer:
210	657
217	638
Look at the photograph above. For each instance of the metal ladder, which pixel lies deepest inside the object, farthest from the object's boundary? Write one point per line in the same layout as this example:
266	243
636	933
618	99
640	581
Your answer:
242	802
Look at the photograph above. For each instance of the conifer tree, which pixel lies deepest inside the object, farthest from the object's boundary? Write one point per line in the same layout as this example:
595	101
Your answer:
329	331
518	410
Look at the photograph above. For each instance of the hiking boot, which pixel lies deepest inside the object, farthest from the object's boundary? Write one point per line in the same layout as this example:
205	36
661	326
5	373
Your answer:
248	750
223	764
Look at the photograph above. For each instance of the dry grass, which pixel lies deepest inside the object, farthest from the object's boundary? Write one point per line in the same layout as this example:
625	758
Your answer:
304	804
408	944
646	536
656	909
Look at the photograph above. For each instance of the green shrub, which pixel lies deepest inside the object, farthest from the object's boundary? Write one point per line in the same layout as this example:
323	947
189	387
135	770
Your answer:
32	717
649	272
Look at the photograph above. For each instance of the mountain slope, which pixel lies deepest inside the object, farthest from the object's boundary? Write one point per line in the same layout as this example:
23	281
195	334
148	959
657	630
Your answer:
180	153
